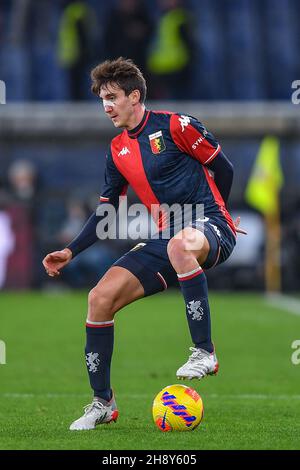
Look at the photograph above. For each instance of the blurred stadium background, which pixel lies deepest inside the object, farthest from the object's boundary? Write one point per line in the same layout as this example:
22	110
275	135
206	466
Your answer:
239	60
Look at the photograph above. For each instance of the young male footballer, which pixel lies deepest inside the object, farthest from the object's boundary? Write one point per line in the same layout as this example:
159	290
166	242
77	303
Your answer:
167	158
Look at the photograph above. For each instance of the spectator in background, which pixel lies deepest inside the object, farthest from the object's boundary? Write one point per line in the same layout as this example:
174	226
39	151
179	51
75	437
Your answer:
22	177
24	201
128	32
76	45
170	58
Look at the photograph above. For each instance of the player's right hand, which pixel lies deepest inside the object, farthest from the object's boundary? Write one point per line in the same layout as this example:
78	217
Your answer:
237	228
55	261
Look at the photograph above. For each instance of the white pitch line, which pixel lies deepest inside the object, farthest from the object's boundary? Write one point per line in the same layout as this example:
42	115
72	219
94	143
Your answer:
45	395
284	302
245	396
63	395
255	396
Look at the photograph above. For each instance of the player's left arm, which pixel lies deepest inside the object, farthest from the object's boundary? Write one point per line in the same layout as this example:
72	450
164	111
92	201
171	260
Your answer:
193	138
223	174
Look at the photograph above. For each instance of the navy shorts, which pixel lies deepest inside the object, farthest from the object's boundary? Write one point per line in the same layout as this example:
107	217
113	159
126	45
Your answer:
150	263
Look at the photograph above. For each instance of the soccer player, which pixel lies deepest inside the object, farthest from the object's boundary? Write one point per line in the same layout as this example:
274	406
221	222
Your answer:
167	158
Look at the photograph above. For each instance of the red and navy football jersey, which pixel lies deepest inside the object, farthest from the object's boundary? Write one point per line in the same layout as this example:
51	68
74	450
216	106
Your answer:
164	161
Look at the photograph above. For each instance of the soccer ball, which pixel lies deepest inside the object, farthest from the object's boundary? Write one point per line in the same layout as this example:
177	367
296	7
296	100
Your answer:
177	408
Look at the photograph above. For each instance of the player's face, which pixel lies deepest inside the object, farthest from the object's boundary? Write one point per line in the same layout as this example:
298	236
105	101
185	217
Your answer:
117	106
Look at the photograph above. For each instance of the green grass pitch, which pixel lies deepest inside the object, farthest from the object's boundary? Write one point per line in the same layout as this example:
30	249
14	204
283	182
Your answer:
253	403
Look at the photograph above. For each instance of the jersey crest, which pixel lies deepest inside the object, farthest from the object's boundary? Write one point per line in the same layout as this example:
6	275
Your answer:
157	142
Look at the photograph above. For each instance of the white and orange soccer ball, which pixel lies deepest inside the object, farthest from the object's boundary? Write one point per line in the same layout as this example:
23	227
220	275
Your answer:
177	408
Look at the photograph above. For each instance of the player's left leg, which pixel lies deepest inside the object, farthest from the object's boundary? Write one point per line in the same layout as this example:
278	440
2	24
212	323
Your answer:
188	252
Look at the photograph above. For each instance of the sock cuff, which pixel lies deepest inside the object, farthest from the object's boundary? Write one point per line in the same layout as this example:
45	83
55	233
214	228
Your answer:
190	274
99	324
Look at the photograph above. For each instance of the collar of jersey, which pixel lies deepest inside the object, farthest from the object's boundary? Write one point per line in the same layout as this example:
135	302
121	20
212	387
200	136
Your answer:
133	133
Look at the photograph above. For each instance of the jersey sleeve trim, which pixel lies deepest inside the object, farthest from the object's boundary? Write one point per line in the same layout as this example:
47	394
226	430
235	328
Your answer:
213	156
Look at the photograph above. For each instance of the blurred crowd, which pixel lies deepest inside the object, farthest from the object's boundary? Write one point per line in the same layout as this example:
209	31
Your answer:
188	49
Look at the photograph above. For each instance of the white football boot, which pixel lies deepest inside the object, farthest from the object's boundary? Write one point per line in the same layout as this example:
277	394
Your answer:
98	412
200	364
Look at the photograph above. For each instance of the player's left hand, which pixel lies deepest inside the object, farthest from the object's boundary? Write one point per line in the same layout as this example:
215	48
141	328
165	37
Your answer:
236	225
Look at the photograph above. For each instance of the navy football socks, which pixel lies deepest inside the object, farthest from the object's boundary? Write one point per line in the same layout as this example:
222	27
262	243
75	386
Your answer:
194	289
98	354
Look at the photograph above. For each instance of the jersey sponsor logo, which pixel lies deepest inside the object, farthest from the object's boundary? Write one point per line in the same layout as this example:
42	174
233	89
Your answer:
197	143
124	151
157	142
184	121
199	140
195	310
204	219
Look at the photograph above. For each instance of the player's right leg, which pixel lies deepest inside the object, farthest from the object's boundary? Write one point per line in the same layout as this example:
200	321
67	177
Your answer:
117	288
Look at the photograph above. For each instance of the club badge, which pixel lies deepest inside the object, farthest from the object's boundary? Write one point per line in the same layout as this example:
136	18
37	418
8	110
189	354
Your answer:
157	142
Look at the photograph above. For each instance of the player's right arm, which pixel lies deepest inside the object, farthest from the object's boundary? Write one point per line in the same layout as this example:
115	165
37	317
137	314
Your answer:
115	185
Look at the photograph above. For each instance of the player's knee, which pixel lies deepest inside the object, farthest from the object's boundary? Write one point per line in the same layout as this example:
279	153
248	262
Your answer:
177	251
181	250
101	305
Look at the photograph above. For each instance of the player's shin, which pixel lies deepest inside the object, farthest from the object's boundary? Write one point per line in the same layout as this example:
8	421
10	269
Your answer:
98	354
194	289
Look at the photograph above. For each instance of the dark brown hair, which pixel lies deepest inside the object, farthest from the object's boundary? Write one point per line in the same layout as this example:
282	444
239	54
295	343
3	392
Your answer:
121	71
